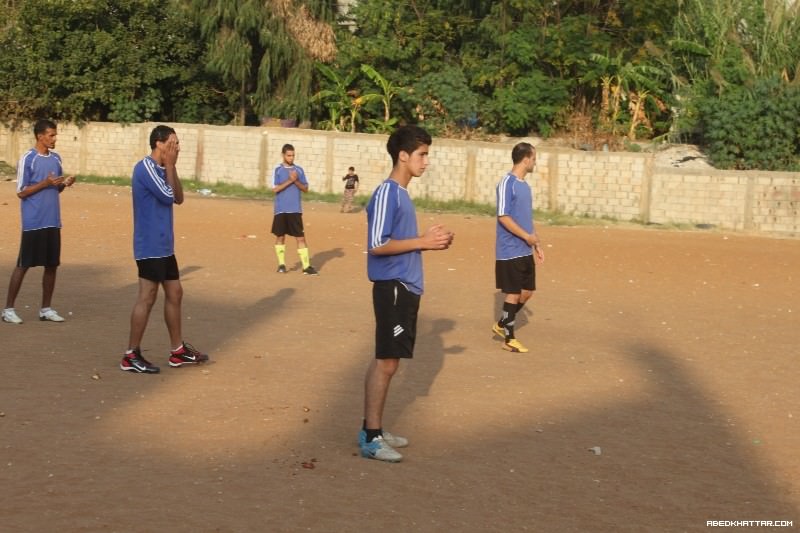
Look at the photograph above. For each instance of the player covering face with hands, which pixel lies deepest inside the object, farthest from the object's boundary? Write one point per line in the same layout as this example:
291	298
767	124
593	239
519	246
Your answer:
156	188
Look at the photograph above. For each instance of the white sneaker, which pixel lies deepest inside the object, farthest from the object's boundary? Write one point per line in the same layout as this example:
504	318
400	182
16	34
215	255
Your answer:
10	316
50	315
395	441
379	449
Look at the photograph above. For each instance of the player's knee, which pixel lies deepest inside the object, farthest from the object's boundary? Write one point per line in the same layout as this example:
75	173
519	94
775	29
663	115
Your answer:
388	367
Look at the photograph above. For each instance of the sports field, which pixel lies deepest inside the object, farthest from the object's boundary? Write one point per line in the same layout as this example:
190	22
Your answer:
672	354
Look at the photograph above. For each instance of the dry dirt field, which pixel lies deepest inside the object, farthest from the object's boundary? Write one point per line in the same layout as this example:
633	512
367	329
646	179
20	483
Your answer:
674	353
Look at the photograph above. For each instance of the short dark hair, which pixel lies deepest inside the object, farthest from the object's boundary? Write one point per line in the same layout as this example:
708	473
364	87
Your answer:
287	148
160	134
351	168
406	139
521	151
42	125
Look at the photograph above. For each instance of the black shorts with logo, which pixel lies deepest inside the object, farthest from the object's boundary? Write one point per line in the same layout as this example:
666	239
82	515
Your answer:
512	276
159	269
40	247
288	224
396	311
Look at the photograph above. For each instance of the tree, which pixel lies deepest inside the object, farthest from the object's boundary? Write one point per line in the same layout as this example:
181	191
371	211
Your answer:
95	60
265	51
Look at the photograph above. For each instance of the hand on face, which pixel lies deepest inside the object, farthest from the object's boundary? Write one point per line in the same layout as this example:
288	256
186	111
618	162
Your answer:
169	150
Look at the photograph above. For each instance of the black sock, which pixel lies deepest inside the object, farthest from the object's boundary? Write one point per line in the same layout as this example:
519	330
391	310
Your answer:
509	314
520	306
372	433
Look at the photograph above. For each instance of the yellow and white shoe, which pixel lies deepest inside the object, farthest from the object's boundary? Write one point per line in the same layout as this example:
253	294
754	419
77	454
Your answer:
513	345
498	330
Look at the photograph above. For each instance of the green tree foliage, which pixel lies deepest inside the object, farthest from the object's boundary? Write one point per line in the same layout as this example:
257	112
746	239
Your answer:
264	52
720	46
94	60
515	65
754	129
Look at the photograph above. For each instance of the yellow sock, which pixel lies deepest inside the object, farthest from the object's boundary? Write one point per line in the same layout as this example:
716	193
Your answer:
303	253
280	251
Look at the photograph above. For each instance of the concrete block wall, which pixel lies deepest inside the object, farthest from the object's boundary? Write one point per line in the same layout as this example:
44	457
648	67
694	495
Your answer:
626	186
600	184
700	197
776	203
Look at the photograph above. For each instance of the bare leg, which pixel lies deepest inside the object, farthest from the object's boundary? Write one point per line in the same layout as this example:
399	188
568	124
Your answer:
173	295
17	275
48	285
376	388
148	291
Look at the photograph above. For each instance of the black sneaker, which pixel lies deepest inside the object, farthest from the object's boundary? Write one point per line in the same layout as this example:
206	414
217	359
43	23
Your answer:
282	269
186	355
134	362
310	271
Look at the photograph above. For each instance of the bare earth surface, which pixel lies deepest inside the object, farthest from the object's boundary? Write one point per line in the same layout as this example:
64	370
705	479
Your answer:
674	353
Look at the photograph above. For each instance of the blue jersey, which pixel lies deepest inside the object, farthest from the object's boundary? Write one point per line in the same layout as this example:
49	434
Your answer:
288	200
152	211
40	210
514	199
391	215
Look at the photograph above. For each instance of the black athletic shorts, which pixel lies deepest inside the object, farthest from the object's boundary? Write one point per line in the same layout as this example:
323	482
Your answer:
288	224
159	269
396	311
512	276
40	247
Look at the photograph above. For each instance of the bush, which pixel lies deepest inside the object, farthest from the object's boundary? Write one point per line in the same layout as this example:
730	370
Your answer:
756	128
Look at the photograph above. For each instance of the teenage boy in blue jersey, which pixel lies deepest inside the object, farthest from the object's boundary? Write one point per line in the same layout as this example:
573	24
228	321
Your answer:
288	183
516	243
39	182
156	187
394	265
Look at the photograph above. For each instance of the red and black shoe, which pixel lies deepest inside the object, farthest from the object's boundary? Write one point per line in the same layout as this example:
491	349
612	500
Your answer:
134	362
186	355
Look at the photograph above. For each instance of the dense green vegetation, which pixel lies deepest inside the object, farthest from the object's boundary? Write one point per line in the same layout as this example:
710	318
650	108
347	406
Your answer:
721	73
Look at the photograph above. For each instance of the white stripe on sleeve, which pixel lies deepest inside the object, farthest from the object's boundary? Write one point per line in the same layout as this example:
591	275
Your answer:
162	186
379	222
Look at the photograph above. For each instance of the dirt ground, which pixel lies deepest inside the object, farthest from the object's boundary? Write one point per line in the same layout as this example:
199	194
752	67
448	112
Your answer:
674	353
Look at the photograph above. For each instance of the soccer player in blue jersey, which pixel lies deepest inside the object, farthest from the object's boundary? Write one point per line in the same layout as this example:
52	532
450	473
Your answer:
516	243
156	188
394	265
288	183
39	182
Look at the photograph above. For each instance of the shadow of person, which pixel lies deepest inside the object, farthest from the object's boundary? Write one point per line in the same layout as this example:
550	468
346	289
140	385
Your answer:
185	271
417	379
320	258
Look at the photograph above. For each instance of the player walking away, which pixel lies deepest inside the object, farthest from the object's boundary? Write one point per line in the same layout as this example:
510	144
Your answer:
156	187
350	189
394	265
288	183
39	183
515	270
